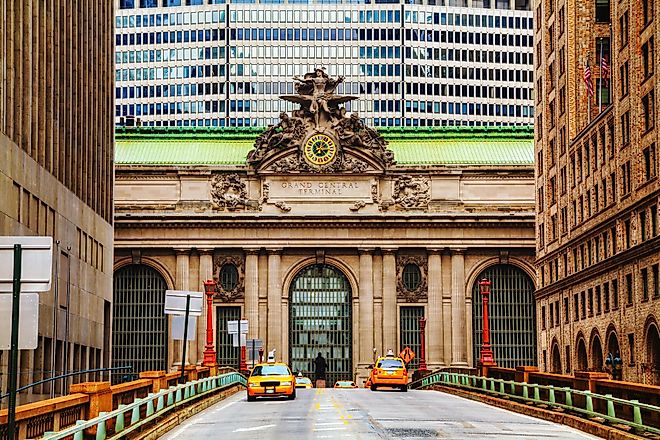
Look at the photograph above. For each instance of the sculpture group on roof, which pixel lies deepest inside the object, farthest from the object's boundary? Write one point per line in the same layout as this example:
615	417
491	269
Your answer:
319	112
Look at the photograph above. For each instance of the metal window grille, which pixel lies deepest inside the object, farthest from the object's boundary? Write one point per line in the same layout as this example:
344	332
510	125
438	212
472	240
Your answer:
409	332
227	354
320	321
139	330
511	314
412	276
228	277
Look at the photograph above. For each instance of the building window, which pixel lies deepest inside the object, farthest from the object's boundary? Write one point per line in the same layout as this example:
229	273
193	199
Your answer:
566	311
583	303
568	358
148	3
126	4
626	185
655	280
623	29
654	220
649	162
409	331
623	73
576	307
645	284
228	277
648	110
606	297
647	58
631	347
625	128
629	289
627	233
591	302
602	11
598	300
412	277
647	11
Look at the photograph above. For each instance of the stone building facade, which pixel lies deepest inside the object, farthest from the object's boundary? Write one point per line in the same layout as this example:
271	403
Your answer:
329	237
597	186
56	149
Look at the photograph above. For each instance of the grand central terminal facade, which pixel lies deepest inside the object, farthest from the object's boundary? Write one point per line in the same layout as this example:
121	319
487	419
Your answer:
327	236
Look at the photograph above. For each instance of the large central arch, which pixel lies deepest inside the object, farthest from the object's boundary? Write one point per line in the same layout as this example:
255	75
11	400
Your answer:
320	320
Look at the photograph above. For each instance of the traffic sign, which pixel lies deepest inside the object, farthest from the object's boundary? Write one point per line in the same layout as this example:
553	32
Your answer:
175	302
407	355
36	266
232	327
178	322
28	335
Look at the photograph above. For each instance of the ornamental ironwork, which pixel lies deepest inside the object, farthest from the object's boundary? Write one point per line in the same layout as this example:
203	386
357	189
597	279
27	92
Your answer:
229	277
228	192
412	278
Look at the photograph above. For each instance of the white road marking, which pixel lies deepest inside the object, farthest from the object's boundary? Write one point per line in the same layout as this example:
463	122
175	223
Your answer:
329	423
255	428
330	429
225	406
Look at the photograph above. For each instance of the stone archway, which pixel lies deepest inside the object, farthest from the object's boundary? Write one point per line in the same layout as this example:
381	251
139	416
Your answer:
582	359
556	359
320	320
612	341
652	375
139	330
597	363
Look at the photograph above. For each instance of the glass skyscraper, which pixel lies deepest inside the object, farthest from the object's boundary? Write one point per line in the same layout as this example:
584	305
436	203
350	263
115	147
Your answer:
211	63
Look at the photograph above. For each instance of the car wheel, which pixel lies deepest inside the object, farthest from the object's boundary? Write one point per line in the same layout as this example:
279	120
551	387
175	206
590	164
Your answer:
291	396
404	388
251	398
373	387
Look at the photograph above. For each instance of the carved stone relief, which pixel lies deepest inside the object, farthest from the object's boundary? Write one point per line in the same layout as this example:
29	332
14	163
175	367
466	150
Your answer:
412	192
237	291
406	293
228	192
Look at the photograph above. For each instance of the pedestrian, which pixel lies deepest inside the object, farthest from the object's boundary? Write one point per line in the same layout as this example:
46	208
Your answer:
608	364
617	366
319	373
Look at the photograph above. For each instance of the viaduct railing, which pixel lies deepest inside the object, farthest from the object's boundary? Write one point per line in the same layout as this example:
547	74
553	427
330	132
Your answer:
588	394
88	400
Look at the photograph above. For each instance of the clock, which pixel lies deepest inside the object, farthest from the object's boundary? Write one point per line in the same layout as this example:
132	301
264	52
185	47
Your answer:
320	149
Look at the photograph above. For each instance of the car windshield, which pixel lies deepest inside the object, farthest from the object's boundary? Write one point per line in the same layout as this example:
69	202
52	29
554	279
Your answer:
303	380
270	370
390	363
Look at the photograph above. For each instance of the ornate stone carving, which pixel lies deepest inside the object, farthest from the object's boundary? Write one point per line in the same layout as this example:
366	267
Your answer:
319	114
228	191
412	192
404	293
357	206
283	206
238	291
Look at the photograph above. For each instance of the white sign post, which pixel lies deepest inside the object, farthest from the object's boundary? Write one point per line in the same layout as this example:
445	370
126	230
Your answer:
30	271
238	329
182	302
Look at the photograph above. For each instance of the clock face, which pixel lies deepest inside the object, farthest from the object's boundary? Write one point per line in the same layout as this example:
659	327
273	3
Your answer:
320	149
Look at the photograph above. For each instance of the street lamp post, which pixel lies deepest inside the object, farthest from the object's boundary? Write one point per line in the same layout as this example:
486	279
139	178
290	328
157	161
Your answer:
422	351
486	359
209	348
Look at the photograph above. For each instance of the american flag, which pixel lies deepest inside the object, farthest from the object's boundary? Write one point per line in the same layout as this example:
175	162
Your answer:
604	71
587	79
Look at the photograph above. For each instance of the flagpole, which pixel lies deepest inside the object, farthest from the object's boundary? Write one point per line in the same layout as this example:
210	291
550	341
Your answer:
588	97
600	81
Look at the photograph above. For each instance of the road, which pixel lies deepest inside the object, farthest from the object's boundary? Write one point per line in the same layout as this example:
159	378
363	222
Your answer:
364	414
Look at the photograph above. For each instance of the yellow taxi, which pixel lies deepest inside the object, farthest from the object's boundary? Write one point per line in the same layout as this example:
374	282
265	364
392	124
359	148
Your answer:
345	384
389	371
303	382
271	379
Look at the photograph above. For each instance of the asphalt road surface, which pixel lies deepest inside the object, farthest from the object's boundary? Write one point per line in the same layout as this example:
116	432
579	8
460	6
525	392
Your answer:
364	414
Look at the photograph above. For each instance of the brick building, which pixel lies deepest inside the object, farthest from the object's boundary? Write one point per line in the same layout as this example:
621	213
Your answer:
597	186
56	172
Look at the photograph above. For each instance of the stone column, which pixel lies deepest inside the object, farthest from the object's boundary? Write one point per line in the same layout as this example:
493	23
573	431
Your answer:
182	283
274	334
446	309
252	291
366	295
205	273
378	303
262	262
459	326
389	299
434	333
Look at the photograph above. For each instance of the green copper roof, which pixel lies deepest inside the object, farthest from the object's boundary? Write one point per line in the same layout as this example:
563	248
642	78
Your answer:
411	146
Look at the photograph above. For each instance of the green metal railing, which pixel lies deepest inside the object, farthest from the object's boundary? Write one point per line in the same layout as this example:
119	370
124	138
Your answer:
554	397
148	408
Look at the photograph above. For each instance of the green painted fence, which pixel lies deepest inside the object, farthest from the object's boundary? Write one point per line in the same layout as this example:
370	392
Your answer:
145	410
576	401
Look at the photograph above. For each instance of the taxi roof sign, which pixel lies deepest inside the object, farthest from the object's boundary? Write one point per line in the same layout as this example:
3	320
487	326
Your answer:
407	355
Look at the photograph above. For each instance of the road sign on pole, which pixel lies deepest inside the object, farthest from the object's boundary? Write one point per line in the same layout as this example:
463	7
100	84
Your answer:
30	272
232	326
28	334
175	302
177	327
407	355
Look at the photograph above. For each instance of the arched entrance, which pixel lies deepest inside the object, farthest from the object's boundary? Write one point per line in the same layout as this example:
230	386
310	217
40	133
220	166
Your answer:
596	354
556	359
139	325
511	316
582	361
653	355
320	321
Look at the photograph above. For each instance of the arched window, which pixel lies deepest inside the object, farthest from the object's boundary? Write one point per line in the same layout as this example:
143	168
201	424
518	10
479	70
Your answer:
511	316
139	325
228	277
412	277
